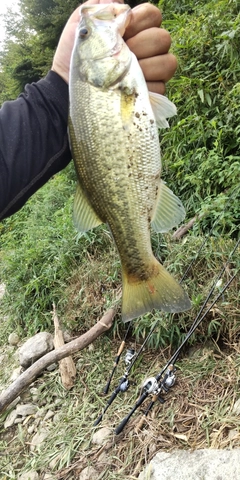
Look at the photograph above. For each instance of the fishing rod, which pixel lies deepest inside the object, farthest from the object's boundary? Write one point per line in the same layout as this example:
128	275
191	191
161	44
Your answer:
116	361
155	385
130	359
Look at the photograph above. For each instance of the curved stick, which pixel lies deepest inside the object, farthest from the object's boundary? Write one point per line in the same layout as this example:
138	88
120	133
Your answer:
27	377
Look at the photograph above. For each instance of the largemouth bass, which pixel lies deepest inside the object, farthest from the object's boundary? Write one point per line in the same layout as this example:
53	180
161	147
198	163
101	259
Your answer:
113	128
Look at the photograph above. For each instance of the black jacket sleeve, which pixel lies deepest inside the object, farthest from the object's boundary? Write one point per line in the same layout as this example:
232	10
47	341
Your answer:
33	141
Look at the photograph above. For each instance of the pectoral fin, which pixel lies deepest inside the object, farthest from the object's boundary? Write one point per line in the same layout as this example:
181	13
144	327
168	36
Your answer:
169	210
84	216
162	109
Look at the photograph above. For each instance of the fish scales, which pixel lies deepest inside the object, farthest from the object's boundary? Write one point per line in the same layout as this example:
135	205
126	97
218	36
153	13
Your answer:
117	173
115	146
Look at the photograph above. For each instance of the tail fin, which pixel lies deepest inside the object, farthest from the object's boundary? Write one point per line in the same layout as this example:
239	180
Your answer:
159	291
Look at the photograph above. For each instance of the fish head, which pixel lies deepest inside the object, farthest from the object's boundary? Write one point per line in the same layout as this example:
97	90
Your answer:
100	55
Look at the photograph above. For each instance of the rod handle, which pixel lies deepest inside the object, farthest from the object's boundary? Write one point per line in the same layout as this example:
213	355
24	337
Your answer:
139	402
99	419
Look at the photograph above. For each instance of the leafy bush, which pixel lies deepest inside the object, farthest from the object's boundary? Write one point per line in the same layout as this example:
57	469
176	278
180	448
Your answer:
202	147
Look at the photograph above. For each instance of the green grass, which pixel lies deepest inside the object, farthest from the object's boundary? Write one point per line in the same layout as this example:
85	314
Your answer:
198	413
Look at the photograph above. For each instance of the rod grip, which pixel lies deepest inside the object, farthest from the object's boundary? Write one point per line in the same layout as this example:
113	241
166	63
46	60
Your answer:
99	419
139	402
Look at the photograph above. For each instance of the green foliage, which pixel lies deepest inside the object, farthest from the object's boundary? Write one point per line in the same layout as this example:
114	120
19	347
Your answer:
38	254
32	37
202	147
47	18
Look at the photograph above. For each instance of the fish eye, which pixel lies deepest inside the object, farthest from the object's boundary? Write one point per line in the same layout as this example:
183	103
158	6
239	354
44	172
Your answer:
83	32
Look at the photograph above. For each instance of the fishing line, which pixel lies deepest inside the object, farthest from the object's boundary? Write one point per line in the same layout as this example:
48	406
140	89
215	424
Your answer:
154	385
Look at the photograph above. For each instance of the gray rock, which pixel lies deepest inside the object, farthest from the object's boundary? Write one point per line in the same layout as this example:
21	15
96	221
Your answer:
34	348
14	402
10	419
198	465
34	394
88	473
48	415
31	429
52	367
32	475
18	420
13	339
38	439
100	436
26	409
15	374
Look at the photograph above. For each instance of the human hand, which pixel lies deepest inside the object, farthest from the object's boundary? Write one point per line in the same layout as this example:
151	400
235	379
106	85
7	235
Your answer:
149	43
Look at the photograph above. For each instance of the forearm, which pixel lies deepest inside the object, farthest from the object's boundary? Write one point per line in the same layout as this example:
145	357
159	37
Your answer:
33	141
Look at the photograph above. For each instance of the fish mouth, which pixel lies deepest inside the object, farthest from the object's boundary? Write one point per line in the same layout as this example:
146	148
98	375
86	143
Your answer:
119	13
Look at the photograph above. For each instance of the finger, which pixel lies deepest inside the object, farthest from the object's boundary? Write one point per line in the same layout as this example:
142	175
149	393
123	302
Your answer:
156	87
143	16
149	43
159	68
94	2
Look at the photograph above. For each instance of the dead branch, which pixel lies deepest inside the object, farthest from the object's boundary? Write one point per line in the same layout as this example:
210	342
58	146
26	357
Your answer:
181	231
66	365
27	377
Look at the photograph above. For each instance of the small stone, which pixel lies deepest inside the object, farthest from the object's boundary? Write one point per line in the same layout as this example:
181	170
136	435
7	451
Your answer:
236	407
18	420
15	374
67	337
32	475
34	394
48	415
101	436
13	339
34	348
52	465
52	367
38	439
10	419
233	434
39	413
26	397
57	417
31	429
27	409
14	402
88	473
